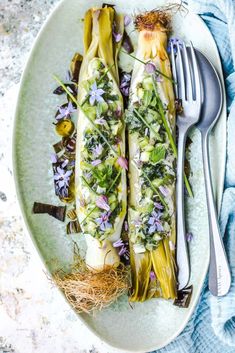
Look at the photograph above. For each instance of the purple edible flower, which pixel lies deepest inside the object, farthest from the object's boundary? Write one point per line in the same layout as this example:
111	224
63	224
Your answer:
102	202
150	68
159	78
65	163
155	223
117	36
118	243
189	236
96	94
54	158
66	111
164	190
152	276
125	83
62	177
158	205
174	41
123	248
97	150
122	161
127	20
96	162
103	221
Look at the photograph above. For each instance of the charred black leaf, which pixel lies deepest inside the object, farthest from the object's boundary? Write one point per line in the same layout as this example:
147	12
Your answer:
178	106
107	5
58	147
75	66
60	90
184	297
73	227
57	212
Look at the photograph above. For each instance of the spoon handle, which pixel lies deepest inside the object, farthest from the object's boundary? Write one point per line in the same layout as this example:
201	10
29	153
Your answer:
181	244
219	273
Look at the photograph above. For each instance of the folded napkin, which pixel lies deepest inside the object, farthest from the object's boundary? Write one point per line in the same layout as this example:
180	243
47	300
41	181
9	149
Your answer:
212	326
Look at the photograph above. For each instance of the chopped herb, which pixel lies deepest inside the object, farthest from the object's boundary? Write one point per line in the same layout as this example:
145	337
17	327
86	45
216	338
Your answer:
158	154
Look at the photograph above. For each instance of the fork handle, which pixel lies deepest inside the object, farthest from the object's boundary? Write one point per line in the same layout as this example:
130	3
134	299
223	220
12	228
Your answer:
181	243
219	274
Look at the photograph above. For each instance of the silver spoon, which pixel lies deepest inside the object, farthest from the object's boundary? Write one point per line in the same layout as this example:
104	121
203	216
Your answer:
219	273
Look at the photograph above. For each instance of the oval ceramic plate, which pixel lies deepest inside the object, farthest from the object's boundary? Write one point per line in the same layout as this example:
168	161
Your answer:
155	323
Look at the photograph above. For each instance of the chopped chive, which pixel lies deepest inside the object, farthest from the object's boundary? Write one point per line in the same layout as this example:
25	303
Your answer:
113	183
93	209
88	185
144	121
143	62
170	136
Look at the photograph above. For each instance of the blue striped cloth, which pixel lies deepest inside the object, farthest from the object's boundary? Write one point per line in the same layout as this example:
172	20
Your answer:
212	327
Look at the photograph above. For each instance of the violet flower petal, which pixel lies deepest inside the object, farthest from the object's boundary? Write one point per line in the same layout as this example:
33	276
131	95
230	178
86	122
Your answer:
96	162
164	190
102	202
117	37
118	243
54	158
123	162
152	276
127	20
150	68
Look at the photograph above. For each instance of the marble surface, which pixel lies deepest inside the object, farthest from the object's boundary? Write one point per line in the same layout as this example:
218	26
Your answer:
34	317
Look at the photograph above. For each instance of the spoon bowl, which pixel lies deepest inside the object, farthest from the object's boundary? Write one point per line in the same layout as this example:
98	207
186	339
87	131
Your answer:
212	99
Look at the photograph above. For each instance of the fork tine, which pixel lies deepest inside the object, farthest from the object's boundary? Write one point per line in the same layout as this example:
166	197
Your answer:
198	94
174	74
181	74
188	78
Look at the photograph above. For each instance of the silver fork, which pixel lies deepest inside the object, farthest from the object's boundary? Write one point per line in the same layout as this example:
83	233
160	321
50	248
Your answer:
188	89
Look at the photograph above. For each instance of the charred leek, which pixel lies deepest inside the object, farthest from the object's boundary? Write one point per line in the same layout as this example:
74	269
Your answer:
150	118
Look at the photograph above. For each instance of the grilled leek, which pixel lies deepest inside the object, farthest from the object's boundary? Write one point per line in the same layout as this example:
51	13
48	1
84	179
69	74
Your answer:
100	176
151	128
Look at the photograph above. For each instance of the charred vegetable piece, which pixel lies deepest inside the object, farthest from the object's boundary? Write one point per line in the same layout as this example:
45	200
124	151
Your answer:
184	297
57	212
75	66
